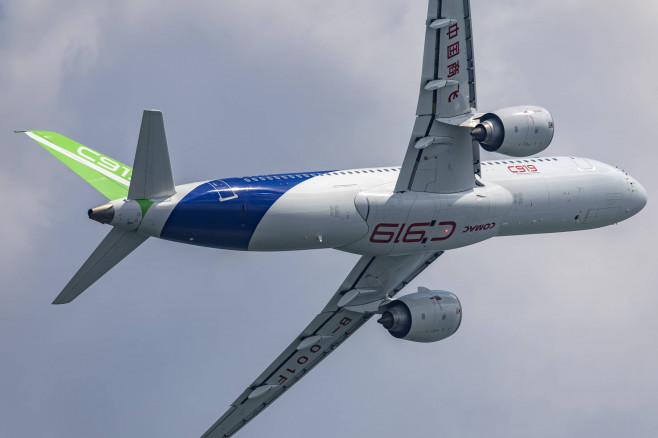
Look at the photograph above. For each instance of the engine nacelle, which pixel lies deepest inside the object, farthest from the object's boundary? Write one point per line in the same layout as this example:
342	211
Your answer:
519	131
426	316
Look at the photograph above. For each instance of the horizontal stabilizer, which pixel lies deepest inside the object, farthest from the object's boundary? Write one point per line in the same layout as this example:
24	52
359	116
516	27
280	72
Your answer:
116	245
152	177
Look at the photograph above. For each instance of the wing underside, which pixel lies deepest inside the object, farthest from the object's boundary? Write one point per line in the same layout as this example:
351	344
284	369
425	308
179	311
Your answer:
441	156
371	281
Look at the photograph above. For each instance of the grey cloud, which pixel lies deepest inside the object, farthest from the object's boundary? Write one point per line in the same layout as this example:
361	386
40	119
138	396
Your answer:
557	338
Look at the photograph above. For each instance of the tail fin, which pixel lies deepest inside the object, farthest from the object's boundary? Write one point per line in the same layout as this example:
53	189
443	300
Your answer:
116	245
152	178
108	176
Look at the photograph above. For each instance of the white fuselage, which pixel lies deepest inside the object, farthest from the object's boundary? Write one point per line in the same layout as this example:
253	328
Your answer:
357	210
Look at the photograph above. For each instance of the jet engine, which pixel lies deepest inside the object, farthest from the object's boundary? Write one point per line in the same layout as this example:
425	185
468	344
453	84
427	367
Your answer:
424	316
519	131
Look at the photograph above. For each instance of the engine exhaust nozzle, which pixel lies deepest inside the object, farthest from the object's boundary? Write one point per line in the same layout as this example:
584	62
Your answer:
386	320
103	213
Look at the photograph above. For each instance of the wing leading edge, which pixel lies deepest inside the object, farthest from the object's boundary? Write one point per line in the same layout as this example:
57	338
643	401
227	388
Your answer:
441	156
371	281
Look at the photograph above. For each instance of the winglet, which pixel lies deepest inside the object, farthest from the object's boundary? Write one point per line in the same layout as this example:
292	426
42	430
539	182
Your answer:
151	177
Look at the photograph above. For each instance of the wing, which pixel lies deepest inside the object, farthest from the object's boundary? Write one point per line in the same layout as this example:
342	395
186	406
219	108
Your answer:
442	157
371	281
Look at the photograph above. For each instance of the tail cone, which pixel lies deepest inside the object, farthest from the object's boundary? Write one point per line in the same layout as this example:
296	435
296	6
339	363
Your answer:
103	213
386	320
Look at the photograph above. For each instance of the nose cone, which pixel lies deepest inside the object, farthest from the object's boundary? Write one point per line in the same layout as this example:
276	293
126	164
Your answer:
639	198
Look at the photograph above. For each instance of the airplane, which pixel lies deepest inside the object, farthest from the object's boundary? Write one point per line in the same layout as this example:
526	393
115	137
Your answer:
398	219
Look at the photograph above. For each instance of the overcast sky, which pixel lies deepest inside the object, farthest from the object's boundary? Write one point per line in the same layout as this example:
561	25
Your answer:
559	331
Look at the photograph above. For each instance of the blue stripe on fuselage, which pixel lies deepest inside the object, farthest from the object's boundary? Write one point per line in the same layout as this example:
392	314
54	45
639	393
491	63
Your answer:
225	213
